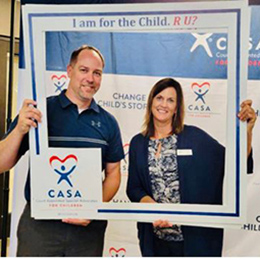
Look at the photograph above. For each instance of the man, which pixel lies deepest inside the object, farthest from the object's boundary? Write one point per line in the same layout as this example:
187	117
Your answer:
74	120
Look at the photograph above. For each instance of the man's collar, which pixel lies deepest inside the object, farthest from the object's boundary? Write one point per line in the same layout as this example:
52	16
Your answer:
65	102
94	106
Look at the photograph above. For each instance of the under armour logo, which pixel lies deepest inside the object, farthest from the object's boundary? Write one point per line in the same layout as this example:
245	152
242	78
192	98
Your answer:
98	124
201	40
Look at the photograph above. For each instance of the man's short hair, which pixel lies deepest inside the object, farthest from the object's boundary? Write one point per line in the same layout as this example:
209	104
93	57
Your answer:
75	54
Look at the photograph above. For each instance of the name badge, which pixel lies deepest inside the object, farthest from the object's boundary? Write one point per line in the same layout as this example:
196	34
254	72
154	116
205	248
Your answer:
184	152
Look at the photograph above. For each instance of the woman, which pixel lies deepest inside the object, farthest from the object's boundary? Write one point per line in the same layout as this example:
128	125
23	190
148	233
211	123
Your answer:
158	174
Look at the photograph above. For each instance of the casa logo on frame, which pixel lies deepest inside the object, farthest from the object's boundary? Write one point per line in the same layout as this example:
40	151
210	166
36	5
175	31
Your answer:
64	168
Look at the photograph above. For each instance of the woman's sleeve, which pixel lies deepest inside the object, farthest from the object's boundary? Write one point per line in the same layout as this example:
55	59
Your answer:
135	187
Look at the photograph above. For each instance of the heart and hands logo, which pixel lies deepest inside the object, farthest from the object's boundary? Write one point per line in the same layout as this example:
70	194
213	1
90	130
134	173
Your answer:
59	81
64	167
200	90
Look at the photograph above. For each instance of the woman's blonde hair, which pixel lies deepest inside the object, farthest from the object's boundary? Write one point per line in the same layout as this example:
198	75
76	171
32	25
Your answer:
178	117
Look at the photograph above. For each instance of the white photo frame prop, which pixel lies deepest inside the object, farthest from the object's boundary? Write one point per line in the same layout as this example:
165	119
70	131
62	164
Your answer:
231	17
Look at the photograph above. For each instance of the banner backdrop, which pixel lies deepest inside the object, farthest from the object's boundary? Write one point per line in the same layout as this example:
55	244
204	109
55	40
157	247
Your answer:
244	242
199	60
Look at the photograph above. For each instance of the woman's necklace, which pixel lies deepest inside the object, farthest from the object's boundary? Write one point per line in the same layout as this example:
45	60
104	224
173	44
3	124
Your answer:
158	150
158	136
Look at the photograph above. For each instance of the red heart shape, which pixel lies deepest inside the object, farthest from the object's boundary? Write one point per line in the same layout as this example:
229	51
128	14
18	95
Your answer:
69	165
120	252
59	81
200	86
63	160
59	78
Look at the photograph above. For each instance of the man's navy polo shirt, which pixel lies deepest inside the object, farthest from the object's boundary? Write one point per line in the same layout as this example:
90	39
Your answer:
92	128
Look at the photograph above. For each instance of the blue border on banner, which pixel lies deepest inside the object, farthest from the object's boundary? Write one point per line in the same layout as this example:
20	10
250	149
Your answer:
238	65
237	120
